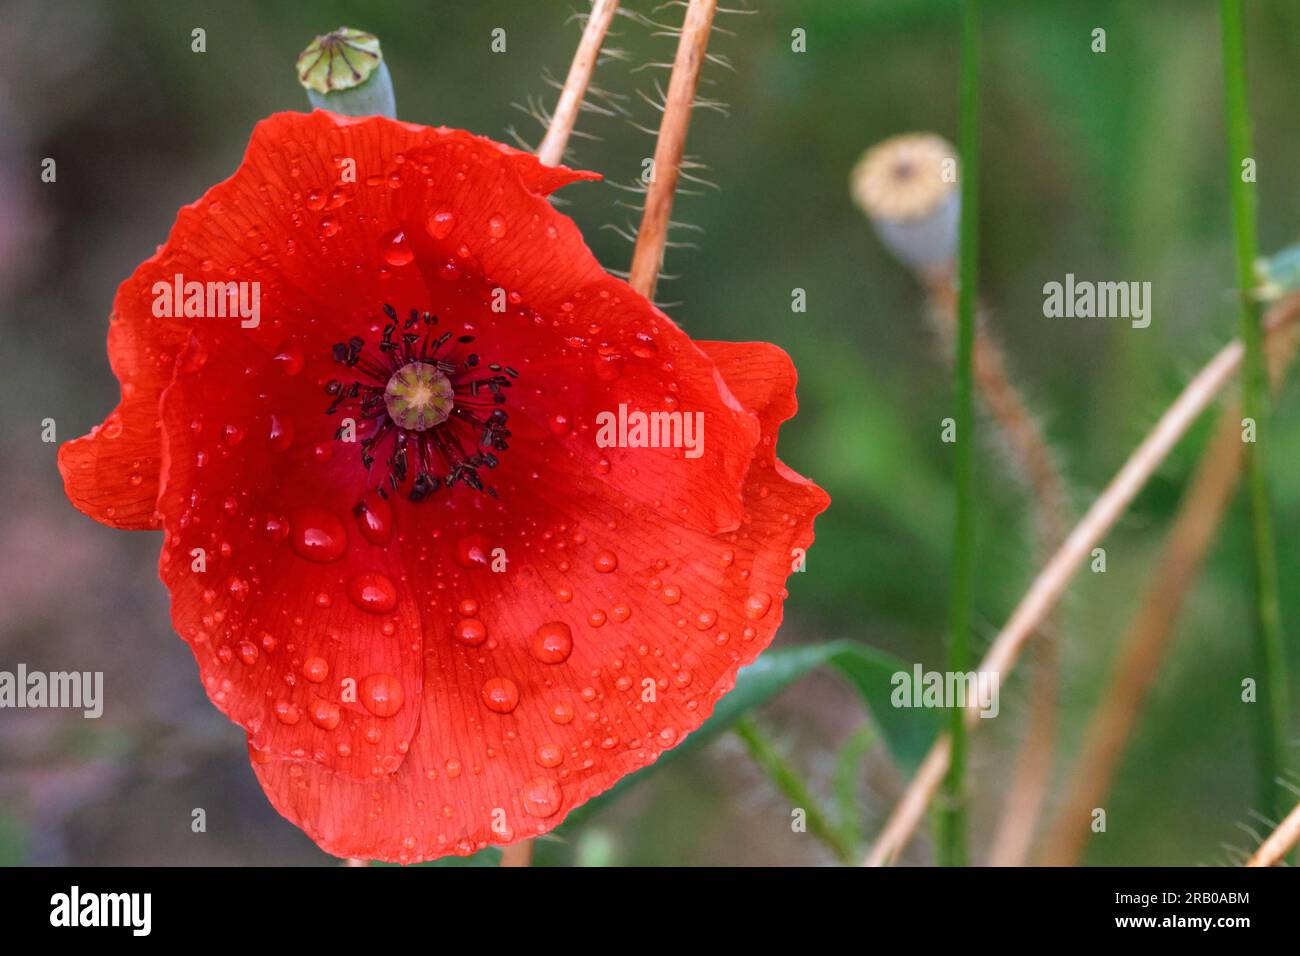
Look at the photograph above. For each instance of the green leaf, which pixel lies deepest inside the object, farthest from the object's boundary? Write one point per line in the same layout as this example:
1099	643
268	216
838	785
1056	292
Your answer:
907	733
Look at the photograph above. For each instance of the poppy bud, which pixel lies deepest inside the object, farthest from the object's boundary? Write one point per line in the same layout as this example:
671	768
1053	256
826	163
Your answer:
1278	275
344	72
907	185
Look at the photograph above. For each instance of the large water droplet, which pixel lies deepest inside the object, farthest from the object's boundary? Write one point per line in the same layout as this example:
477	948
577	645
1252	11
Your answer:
470	631
281	434
373	592
440	223
541	797
375	519
315	669
757	604
317	535
396	250
549	755
500	695
553	643
382	694
324	714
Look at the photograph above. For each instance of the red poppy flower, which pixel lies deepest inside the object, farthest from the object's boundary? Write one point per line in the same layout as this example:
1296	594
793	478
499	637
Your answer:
444	612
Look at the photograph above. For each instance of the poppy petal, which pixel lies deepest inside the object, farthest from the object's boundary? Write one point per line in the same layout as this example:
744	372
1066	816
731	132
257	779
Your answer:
112	474
613	645
585	344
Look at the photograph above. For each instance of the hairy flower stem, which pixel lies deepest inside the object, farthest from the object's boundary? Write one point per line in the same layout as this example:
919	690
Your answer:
648	255
788	781
1271	711
952	841
1145	645
517	854
1280	842
1055	576
551	151
1029	458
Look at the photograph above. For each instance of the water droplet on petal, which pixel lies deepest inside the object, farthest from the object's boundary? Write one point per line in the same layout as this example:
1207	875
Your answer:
382	694
541	797
496	227
473	551
317	535
289	360
645	346
315	669
500	695
324	714
553	643
549	755
396	250
559	425
605	562
440	223
608	367
373	592
281	434
470	631
757	604
375	519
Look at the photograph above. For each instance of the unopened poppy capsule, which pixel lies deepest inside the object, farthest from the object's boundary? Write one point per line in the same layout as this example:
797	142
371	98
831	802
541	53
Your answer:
344	72
907	186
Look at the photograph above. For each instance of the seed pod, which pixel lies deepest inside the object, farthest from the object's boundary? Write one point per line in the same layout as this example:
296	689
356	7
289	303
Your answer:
907	186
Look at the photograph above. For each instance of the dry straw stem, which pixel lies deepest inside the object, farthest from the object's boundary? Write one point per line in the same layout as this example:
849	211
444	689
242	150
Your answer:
517	854
647	257
1053	579
1031	459
1144	646
551	152
1279	842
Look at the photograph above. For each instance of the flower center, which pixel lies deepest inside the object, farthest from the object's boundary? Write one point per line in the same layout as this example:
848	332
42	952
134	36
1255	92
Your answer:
428	403
419	396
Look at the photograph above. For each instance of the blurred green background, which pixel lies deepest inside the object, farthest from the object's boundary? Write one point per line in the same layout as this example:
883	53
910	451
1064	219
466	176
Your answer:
1110	166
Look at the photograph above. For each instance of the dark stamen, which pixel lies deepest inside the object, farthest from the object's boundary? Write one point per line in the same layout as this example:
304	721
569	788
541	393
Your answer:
442	454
